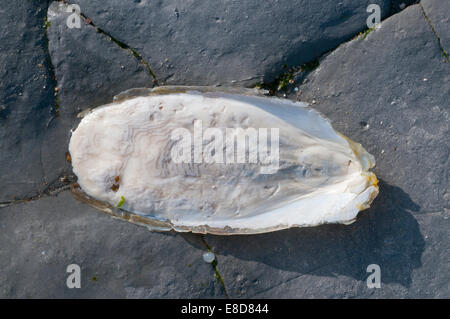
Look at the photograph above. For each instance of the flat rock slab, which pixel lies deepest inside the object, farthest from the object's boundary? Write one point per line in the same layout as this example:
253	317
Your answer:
388	90
117	259
242	42
26	98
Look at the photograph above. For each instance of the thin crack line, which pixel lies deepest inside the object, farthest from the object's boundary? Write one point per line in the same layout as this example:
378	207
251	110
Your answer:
59	184
214	266
123	46
434	31
119	43
44	193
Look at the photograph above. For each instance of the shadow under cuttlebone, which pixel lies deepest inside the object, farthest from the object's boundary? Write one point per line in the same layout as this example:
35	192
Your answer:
387	234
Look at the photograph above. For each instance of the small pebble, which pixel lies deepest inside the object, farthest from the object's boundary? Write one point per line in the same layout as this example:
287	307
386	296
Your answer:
402	6
209	257
365	126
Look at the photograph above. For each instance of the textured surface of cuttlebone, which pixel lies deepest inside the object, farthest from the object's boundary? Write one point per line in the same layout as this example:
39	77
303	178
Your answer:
322	177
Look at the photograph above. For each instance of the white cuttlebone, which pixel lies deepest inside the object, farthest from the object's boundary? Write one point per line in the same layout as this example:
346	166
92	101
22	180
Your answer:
125	138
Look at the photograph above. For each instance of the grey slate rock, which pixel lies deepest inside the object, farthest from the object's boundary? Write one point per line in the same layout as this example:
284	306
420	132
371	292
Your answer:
117	259
229	42
396	80
438	11
26	97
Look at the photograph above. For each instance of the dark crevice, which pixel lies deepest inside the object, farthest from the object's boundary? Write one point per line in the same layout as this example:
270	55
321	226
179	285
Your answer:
435	32
51	69
214	266
296	74
41	163
119	43
281	83
54	87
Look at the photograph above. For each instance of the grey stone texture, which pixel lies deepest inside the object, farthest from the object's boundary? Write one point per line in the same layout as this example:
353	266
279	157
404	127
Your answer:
388	89
117	259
